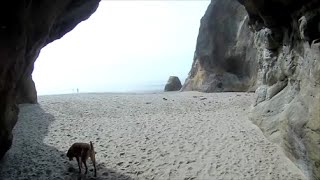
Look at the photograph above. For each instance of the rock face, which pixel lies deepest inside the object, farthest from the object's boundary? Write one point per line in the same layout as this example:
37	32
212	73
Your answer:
287	108
224	59
25	28
26	91
173	84
279	58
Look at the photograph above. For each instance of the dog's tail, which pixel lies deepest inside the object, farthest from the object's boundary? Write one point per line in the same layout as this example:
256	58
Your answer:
91	145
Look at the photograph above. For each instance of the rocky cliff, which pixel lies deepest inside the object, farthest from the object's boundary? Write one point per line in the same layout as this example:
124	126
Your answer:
224	59
26	27
279	58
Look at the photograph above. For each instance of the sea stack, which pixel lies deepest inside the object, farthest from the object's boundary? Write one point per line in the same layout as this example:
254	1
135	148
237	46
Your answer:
173	84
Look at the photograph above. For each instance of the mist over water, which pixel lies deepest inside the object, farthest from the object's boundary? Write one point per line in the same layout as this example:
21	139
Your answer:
147	87
125	46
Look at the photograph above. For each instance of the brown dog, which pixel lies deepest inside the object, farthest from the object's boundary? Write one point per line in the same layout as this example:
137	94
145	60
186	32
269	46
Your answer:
82	151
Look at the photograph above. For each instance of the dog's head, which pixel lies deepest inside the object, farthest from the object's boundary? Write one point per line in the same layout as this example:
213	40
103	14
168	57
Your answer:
69	155
70	158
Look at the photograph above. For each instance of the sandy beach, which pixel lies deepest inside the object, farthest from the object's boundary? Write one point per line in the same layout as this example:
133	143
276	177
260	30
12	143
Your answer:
180	135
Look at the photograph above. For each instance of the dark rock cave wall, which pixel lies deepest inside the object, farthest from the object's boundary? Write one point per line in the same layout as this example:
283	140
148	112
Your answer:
26	91
25	27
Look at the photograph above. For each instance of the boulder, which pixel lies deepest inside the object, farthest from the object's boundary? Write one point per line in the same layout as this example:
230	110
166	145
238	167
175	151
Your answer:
173	84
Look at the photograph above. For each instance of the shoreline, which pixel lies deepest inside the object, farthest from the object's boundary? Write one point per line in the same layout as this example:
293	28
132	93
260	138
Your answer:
142	92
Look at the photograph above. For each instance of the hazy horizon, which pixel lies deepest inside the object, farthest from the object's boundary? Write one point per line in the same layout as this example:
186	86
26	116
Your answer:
124	46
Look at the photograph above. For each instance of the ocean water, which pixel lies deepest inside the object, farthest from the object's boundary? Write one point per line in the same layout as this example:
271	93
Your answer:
120	88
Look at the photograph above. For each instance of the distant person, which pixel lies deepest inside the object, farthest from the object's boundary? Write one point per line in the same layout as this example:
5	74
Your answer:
77	90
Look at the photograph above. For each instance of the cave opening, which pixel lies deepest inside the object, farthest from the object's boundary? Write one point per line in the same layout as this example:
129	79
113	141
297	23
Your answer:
124	46
235	65
313	28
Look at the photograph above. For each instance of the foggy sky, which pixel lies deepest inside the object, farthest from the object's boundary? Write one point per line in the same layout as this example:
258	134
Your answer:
123	46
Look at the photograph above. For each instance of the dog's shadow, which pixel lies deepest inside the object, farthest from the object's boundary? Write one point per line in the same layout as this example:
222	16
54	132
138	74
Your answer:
31	158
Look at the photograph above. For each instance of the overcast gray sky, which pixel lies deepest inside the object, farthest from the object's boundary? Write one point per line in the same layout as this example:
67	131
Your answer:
123	46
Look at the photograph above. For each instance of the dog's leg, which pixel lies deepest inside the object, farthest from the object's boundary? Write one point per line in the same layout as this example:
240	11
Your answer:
79	164
85	165
81	158
95	170
93	159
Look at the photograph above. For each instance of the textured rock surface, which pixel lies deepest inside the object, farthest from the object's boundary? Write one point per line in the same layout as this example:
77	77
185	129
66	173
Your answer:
224	59
287	108
279	58
173	84
26	91
26	27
